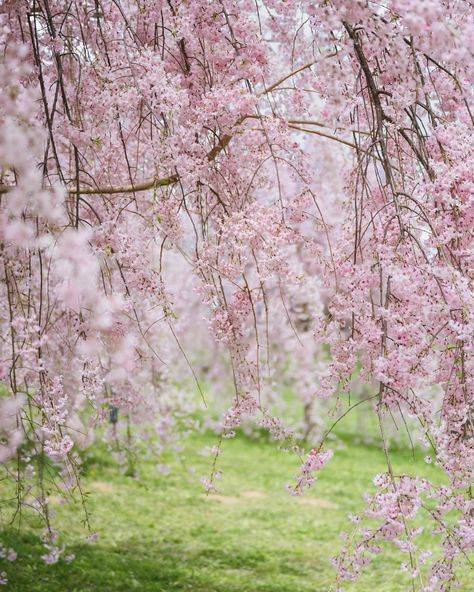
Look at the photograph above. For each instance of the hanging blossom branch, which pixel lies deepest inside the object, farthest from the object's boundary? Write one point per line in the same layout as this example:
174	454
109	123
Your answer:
330	210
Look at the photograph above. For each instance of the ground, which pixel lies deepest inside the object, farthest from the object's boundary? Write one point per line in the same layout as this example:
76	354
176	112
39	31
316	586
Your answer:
162	534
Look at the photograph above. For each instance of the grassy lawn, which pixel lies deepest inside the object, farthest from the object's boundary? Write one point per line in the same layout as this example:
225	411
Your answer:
160	533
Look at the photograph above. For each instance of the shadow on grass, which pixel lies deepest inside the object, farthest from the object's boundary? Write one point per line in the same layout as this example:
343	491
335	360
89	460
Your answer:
149	565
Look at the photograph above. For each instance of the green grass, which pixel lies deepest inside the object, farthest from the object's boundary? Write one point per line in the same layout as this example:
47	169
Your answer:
161	534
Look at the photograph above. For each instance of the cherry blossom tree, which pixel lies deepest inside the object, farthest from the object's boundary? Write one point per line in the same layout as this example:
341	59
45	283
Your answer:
300	174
